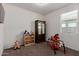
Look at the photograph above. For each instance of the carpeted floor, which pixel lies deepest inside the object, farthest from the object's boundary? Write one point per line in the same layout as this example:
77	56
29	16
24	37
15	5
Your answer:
41	49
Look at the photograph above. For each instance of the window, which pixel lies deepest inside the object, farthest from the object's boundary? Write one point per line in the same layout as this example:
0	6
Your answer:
69	22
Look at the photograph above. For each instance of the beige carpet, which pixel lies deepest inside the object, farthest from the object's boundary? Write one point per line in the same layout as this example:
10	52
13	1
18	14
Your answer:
41	49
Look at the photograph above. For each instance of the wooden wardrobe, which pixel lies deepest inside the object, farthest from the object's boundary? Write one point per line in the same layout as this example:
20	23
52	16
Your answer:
40	31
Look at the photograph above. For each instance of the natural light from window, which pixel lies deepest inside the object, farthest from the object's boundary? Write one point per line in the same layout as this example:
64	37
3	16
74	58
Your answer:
69	22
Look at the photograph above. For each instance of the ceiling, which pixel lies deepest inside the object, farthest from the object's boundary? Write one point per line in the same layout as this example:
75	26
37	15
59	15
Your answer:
42	9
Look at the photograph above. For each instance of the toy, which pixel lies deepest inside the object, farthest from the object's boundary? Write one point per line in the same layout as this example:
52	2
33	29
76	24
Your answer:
17	45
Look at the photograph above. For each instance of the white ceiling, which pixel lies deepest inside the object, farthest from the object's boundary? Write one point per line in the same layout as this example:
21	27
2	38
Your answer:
45	9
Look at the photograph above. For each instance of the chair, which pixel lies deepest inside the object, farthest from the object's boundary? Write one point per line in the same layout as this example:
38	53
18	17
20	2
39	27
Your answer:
55	47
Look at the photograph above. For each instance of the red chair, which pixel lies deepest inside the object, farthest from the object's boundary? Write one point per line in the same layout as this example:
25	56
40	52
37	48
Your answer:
56	45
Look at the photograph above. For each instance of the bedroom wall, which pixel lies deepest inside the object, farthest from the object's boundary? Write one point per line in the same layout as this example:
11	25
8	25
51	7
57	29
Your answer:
53	26
1	28
16	21
1	37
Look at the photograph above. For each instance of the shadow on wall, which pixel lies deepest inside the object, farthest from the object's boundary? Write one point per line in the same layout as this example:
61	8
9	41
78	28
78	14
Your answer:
2	13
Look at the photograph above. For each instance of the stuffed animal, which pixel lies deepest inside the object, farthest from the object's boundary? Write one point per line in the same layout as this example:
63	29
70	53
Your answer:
56	41
17	45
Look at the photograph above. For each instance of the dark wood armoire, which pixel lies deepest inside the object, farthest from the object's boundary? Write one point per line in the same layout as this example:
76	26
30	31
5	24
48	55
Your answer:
40	31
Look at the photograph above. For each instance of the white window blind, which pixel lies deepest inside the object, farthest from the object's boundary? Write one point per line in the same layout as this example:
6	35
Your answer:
69	22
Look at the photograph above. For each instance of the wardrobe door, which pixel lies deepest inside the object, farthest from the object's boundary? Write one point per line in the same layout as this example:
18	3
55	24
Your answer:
37	31
43	31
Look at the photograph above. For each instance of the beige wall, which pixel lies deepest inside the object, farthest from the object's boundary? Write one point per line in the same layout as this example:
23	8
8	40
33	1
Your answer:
1	38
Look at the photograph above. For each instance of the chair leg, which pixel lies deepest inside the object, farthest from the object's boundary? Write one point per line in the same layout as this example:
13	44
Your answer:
54	51
64	48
